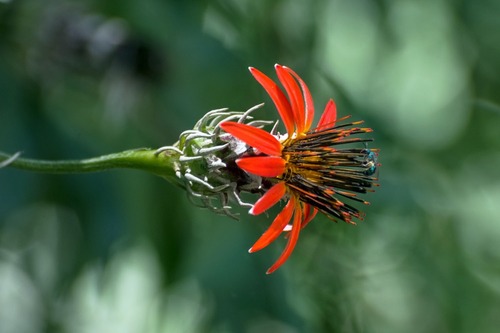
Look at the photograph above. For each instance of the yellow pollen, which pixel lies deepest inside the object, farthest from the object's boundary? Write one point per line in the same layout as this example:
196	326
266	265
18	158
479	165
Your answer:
299	163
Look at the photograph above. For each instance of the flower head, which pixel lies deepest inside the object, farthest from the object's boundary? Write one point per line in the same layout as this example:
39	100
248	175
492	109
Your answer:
313	169
204	162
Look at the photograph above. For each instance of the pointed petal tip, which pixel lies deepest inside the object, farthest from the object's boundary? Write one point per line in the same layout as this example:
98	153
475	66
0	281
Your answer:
271	270
278	97
292	241
329	116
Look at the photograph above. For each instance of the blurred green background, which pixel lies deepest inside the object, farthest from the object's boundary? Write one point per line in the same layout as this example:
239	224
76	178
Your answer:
124	251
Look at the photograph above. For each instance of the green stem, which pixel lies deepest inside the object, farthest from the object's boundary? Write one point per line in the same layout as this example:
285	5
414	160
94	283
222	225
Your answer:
162	164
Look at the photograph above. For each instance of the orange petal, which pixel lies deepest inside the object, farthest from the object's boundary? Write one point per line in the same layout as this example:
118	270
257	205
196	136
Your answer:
276	227
292	241
264	166
294	95
254	137
329	116
309	104
279	99
308	215
269	199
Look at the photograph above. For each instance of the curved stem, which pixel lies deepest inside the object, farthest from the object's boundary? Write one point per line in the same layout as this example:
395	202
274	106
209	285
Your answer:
163	165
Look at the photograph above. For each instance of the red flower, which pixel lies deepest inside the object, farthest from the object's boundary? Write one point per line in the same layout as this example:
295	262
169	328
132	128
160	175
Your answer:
304	166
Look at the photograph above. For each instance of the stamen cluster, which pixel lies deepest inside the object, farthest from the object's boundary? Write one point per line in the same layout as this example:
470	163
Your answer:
319	170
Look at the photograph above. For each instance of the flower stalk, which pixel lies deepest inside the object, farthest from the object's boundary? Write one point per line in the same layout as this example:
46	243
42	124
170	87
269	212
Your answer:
202	162
140	159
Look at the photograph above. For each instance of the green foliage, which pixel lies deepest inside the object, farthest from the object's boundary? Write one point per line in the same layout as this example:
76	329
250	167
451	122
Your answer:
125	251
